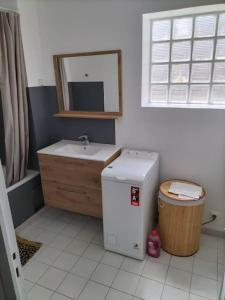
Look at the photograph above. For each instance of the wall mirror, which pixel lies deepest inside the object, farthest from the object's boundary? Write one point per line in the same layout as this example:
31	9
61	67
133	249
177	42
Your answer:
89	85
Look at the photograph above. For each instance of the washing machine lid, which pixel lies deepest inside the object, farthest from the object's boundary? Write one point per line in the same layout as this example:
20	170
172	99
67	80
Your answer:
131	166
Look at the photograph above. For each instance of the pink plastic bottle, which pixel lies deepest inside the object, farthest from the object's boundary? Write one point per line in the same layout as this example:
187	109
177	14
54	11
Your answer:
154	244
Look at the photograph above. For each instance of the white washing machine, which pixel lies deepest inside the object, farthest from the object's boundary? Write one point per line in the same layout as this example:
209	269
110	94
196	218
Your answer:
129	198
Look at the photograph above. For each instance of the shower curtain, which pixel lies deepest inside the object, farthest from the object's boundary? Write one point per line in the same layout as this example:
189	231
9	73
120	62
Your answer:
65	88
13	83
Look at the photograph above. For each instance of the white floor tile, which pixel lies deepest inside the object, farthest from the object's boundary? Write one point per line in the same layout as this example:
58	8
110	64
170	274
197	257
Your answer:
51	212
194	297
47	255
71	230
46	237
221	243
182	263
163	259
171	293
221	256
80	219
133	265
205	268
98	239
72	286
155	271
95	223
67	216
31	232
117	295
207	254
104	274
113	259
86	234
221	270
39	293
57	226
24	225
149	289
126	282
52	278
77	247
84	267
204	287
219	287
65	219
66	261
61	242
27	285
178	278
94	252
57	296
42	222
34	270
94	291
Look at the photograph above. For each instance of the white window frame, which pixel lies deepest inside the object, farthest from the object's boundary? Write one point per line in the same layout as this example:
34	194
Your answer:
146	40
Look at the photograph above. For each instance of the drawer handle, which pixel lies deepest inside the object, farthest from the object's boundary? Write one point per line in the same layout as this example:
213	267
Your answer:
160	203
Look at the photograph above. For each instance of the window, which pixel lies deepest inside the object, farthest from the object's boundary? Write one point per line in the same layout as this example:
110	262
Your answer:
183	61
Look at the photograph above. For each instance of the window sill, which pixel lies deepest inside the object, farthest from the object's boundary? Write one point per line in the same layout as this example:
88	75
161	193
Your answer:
189	106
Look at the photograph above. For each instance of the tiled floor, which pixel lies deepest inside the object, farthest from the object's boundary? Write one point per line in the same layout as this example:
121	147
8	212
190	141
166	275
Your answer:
72	264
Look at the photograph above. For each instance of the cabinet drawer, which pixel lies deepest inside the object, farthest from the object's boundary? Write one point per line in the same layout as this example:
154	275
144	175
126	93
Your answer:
71	171
74	198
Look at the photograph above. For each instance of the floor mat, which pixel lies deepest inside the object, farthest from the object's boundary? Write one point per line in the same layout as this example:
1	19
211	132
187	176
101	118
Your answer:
27	249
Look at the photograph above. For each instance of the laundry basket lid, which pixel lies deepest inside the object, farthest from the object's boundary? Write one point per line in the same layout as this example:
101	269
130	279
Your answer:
164	191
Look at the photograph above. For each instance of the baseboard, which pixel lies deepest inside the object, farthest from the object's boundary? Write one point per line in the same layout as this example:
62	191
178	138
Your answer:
211	231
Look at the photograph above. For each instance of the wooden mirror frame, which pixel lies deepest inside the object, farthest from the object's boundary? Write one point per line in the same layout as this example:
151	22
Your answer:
86	114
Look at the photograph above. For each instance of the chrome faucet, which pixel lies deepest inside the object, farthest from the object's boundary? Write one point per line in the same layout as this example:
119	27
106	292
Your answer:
84	139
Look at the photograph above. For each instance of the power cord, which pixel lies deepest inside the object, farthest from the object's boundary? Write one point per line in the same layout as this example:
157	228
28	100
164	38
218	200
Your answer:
210	221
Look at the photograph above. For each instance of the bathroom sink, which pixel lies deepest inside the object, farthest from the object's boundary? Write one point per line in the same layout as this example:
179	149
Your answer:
93	151
78	149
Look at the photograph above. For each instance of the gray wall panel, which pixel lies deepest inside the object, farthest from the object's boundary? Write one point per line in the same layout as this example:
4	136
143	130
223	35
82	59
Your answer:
47	129
39	119
86	96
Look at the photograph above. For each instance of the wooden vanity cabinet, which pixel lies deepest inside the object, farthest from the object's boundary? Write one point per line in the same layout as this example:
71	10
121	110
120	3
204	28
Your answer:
73	184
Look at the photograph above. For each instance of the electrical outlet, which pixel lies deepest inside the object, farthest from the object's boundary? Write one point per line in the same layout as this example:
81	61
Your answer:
41	81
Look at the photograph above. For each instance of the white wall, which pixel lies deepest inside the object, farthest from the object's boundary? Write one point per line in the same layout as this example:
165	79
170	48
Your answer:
9	4
102	68
191	142
31	40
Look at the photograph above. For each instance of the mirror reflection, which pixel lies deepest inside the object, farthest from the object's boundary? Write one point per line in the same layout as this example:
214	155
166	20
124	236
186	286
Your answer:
89	82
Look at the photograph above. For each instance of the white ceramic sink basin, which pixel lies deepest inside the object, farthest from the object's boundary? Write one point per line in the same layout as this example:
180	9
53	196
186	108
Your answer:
93	151
78	149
